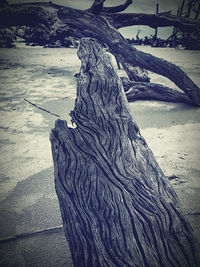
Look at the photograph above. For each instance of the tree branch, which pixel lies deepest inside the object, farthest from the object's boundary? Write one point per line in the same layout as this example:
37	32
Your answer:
46	13
30	234
165	19
99	27
118	8
43	109
82	23
97	7
152	91
135	73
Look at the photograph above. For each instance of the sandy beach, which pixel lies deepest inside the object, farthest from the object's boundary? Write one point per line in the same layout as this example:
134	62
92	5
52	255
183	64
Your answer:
31	231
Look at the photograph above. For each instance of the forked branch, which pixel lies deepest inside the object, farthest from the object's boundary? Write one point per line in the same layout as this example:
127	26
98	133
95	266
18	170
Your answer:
119	8
97	7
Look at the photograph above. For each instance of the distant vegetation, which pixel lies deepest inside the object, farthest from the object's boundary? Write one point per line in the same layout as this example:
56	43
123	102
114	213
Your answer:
39	36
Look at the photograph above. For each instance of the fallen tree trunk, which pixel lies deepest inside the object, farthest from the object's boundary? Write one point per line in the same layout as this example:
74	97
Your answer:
118	207
135	73
152	91
99	28
164	19
45	12
80	23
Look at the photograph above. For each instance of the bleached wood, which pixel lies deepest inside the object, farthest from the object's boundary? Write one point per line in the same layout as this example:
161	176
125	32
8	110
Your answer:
118	207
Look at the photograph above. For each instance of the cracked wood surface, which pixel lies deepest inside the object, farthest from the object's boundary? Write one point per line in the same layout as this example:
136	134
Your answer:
117	206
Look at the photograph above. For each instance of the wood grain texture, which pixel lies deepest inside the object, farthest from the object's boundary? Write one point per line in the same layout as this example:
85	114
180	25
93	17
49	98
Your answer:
152	91
118	207
135	73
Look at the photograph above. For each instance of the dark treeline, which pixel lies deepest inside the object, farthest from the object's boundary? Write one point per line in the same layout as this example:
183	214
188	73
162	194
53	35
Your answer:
152	41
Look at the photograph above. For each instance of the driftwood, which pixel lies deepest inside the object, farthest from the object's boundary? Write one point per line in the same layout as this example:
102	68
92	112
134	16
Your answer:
46	13
30	234
135	73
79	23
99	28
43	109
98	7
117	206
152	91
163	19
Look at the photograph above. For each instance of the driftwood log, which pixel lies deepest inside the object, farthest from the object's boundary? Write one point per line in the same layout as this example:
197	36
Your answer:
152	91
36	13
101	23
135	73
117	206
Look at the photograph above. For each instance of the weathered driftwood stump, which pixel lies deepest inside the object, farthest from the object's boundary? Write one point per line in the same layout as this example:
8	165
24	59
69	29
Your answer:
117	206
